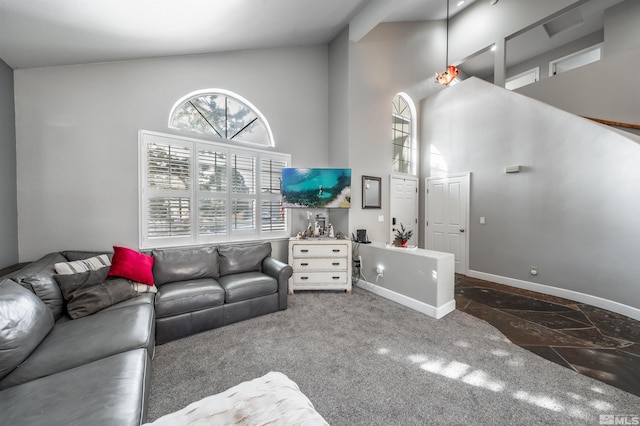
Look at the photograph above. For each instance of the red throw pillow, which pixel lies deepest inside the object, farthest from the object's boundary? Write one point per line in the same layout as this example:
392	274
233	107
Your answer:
132	265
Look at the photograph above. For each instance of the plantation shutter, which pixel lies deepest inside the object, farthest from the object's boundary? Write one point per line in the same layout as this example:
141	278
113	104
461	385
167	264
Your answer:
212	192
243	192
195	192
273	218
168	185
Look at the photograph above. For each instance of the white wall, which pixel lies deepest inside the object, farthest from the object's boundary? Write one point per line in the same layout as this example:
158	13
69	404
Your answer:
607	89
573	210
8	207
481	24
339	118
394	57
543	60
596	90
621	29
77	165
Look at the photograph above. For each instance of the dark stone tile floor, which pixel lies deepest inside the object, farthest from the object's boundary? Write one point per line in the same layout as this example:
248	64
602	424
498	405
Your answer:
595	342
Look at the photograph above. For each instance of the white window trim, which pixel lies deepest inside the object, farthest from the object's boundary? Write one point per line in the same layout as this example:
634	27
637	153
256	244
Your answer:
414	132
145	136
535	71
555	62
229	94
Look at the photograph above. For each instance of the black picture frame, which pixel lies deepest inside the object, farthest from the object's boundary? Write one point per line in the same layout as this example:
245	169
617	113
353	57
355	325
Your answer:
371	192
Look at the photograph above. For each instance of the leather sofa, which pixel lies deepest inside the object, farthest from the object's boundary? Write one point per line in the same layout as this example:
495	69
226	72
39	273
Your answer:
202	288
55	370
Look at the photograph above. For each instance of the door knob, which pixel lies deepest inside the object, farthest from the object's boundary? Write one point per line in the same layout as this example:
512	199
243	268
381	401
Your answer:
461	229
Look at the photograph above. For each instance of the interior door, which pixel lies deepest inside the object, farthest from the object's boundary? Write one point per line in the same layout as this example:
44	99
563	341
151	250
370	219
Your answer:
448	217
404	205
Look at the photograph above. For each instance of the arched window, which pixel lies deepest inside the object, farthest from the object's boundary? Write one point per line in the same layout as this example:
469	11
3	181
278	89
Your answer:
403	130
222	114
206	191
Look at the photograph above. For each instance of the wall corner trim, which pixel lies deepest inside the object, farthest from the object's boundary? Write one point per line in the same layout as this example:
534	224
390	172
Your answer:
599	302
409	302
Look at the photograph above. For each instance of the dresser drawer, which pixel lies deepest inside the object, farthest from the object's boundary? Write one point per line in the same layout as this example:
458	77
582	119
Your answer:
325	264
301	279
320	250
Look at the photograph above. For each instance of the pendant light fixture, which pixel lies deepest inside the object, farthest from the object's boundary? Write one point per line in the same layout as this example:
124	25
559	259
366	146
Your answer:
451	72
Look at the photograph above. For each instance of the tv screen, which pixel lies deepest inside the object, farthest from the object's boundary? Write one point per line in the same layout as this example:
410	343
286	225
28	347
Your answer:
316	188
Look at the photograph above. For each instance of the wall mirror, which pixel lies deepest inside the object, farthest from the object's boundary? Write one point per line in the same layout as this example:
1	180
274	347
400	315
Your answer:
371	192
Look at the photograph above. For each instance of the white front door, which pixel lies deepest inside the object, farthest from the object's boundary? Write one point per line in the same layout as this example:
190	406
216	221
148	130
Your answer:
404	205
448	217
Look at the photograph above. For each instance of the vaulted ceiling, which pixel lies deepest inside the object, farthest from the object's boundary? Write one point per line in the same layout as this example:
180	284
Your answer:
36	33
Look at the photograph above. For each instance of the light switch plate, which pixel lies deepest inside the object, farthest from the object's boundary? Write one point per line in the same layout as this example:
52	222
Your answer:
381	218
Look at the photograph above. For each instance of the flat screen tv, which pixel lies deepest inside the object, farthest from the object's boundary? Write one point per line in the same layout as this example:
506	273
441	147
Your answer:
316	188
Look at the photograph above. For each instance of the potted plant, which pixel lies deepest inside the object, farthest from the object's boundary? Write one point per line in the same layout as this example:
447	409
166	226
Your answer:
402	236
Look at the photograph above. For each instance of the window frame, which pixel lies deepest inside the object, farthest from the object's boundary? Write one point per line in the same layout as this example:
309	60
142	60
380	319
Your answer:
413	148
533	72
237	98
553	64
195	194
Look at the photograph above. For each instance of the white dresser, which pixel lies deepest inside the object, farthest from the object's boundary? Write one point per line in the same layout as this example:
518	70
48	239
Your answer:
320	264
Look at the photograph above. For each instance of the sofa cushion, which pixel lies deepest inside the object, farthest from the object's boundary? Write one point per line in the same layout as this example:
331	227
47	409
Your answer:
243	258
89	292
38	277
131	264
188	296
95	298
71	282
24	321
183	264
83	265
247	285
74	343
73	255
110	391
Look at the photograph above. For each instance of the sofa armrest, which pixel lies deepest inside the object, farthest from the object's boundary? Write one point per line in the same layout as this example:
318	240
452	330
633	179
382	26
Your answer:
281	272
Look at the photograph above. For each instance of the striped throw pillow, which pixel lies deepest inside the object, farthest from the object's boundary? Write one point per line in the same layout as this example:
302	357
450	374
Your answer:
84	265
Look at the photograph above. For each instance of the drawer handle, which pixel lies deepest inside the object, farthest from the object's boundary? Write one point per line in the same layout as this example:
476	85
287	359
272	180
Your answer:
304	264
336	250
336	278
336	263
304	251
304	278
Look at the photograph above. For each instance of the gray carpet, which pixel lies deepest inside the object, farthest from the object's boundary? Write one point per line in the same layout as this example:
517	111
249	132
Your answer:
363	360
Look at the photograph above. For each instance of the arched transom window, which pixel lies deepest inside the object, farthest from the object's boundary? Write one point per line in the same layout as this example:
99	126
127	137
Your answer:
403	135
222	114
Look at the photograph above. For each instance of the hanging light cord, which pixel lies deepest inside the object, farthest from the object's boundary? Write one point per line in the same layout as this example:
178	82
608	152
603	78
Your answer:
447	49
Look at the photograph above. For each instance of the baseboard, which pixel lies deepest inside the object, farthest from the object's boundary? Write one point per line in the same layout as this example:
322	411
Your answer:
599	302
425	308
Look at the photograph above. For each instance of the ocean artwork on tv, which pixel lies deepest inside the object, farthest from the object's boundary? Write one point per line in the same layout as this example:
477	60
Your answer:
316	188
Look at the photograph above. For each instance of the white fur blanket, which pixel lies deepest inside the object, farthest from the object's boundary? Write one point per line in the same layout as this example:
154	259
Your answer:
272	399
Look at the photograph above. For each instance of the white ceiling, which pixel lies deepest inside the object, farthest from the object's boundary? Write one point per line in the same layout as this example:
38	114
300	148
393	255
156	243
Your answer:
37	33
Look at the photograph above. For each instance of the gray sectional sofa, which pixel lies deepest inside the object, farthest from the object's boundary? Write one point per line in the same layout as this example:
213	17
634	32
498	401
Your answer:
95	369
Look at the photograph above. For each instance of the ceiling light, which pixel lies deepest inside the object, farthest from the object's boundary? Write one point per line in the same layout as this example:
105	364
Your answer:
446	78
493	48
451	72
460	3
